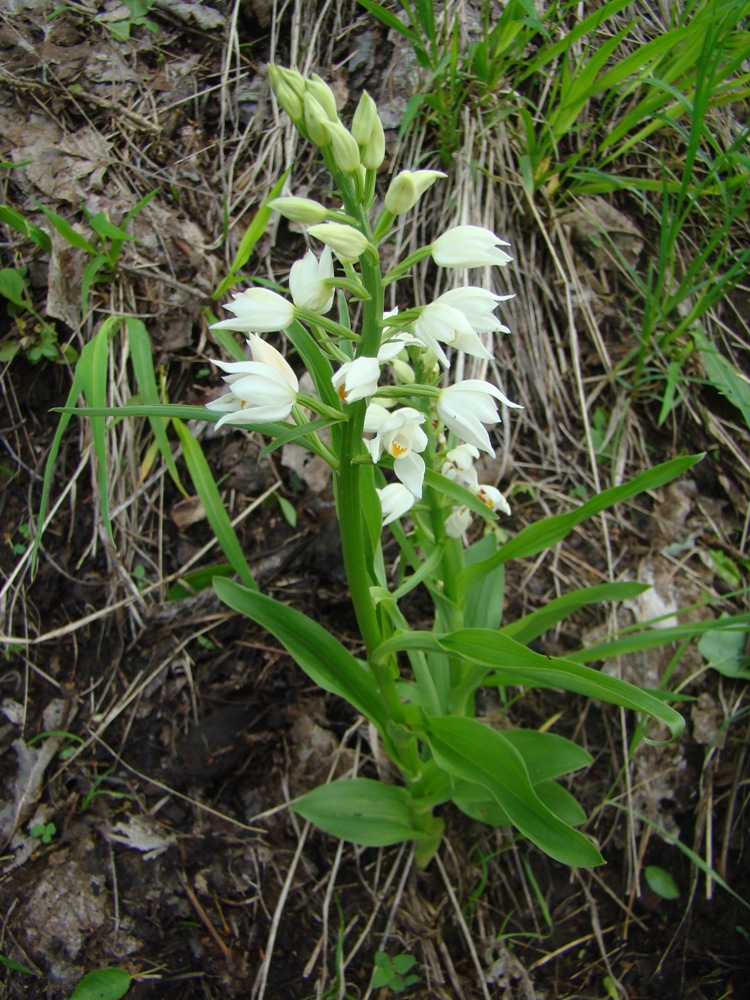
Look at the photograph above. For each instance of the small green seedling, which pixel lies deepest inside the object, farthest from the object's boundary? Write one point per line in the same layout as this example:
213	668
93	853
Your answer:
391	972
103	984
661	882
44	831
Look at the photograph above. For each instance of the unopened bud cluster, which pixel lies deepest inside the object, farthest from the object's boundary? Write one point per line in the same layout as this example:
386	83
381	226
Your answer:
409	422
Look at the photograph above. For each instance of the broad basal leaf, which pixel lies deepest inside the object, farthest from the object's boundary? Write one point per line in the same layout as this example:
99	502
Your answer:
362	811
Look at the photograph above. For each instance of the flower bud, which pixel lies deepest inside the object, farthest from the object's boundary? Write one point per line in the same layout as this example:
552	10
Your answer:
407	188
345	241
367	129
344	147
403	371
288	86
316	121
324	96
299	209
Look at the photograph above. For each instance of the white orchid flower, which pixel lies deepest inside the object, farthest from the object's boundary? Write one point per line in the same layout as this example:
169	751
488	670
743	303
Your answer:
458	522
492	496
263	390
478	306
307	282
395	501
459	465
357	379
469	246
442	322
401	435
258	309
466	406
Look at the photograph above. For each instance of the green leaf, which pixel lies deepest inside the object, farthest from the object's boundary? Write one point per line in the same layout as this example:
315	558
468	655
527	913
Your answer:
514	663
458	494
101	225
661	882
13	287
724	377
17	221
193	583
141	356
533	625
103	984
389	19
485	601
72	236
10	963
208	491
252	234
541	535
362	811
639	639
483	756
547	755
90	273
329	664
724	651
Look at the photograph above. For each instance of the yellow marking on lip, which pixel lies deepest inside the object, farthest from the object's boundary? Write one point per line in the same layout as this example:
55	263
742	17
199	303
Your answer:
397	450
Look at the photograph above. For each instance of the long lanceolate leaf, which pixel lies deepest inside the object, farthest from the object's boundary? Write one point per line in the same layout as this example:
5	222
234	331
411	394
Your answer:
473	752
141	355
208	491
316	651
508	662
89	380
541	535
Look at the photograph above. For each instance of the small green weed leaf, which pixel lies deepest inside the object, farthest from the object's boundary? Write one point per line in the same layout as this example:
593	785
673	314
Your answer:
389	19
362	811
661	882
329	664
193	583
725	568
68	233
9	963
475	753
724	377
208	491
17	221
103	227
724	651
288	510
103	984
90	274
13	287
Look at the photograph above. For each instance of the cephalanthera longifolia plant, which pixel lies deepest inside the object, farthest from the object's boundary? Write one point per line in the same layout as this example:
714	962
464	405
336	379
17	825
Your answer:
402	444
402	447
